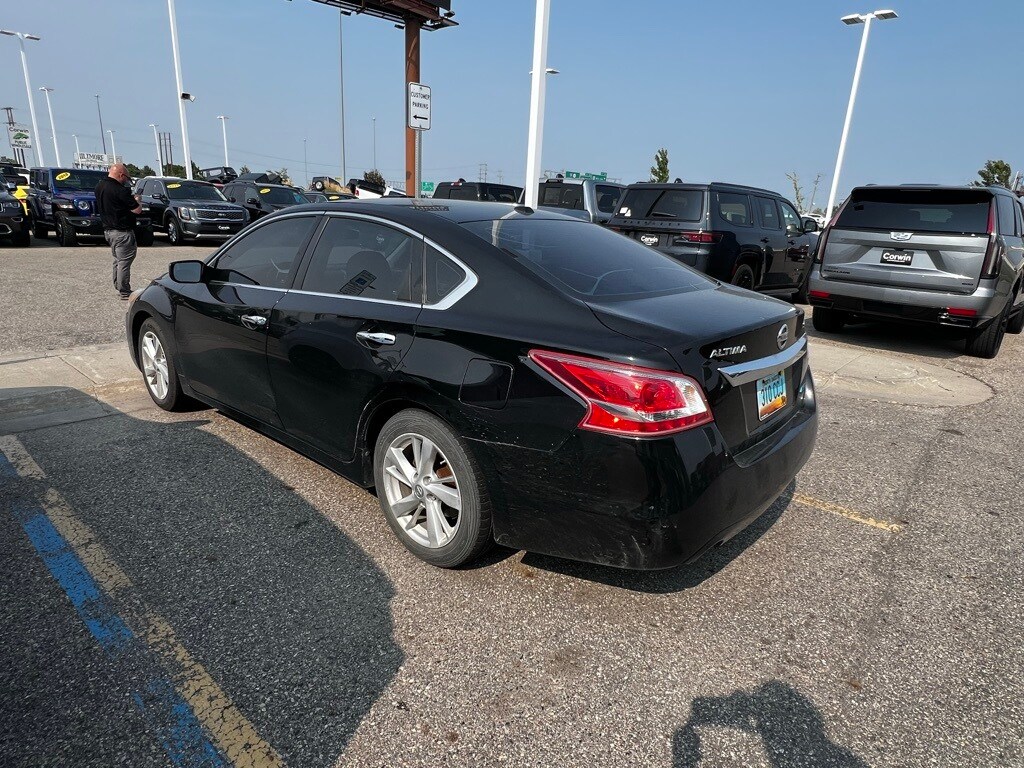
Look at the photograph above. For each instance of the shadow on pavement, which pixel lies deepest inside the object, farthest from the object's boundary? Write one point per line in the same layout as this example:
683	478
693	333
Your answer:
791	728
671	579
286	613
932	341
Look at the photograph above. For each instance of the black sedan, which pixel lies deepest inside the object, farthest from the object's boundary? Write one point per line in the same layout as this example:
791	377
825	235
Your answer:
496	373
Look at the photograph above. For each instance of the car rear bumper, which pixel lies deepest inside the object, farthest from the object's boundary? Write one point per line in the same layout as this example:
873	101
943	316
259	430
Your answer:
643	504
987	301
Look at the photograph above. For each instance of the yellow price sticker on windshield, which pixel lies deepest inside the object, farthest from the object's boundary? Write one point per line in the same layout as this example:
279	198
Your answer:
173	186
264	190
63	176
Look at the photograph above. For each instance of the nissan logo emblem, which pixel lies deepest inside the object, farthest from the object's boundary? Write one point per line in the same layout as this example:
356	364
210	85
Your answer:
783	336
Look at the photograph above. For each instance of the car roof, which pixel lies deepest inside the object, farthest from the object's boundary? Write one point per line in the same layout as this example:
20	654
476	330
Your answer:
458	211
702	185
174	178
936	187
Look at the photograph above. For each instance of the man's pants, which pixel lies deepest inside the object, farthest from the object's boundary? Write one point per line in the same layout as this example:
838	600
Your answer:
122	245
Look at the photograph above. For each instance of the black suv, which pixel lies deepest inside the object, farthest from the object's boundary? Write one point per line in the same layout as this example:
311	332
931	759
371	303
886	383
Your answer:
261	199
190	210
746	236
13	221
477	190
220	175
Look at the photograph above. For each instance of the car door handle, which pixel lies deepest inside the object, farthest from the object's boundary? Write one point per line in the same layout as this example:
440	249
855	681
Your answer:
254	322
764	240
376	338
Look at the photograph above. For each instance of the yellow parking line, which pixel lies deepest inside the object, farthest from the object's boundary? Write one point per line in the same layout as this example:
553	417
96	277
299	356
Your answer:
849	514
230	730
24	464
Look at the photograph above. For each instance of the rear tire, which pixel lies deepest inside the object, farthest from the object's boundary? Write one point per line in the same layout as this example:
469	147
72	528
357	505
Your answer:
800	297
828	320
985	341
426	523
743	277
159	371
65	232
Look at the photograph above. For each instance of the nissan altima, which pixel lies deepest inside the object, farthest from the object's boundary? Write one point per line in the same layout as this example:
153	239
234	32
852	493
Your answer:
497	374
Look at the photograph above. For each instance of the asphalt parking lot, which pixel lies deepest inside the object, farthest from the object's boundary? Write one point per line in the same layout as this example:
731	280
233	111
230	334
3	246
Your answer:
178	589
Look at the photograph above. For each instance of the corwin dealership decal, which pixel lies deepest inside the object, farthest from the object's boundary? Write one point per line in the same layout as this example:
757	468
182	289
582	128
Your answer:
649	239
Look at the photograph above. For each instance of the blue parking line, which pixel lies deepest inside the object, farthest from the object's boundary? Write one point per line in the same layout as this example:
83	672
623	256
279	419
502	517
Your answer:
172	719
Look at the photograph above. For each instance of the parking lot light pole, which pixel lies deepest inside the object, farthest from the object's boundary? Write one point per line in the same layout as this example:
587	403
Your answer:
22	37
159	154
305	163
182	96
341	93
539	78
852	19
103	136
53	131
374	119
77	150
113	146
224	129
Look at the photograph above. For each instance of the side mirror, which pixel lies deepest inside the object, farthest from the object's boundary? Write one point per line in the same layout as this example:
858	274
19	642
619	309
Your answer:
186	271
810	225
231	199
253	201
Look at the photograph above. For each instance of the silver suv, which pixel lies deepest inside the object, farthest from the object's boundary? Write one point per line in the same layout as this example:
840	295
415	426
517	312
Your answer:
947	255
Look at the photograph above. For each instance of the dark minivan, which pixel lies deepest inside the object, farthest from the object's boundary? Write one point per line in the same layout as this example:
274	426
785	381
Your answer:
746	236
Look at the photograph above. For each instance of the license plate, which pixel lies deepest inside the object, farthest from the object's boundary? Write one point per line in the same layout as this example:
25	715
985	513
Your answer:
650	239
771	394
897	257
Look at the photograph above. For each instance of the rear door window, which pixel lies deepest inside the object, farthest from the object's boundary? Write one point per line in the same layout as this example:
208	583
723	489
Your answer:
735	209
952	211
769	213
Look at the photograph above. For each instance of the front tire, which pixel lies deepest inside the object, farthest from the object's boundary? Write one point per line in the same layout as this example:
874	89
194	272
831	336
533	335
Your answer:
174	233
431	490
828	320
64	232
158	368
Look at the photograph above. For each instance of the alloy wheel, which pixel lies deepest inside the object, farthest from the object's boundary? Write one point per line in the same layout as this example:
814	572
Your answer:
422	490
154	365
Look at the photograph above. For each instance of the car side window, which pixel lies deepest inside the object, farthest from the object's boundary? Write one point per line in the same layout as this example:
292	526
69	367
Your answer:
1007	221
145	187
735	209
442	275
356	257
790	217
769	213
267	256
1020	218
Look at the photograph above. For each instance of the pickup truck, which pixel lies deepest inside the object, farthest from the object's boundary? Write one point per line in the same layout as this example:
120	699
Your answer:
585	199
62	199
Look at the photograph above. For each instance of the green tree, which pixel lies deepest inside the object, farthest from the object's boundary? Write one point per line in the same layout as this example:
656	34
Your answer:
996	173
283	173
244	169
137	173
659	171
173	169
374	177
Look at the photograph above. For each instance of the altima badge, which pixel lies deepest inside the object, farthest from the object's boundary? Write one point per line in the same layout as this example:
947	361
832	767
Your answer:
783	336
901	236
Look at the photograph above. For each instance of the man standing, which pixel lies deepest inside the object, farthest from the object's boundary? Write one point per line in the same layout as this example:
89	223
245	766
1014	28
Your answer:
117	208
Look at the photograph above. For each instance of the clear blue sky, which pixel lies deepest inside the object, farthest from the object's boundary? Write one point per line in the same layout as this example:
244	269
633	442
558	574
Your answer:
742	91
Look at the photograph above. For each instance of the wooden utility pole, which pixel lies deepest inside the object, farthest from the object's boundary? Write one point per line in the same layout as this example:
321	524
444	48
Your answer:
412	75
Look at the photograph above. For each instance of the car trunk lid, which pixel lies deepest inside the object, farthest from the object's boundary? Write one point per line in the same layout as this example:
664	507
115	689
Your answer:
731	341
925	239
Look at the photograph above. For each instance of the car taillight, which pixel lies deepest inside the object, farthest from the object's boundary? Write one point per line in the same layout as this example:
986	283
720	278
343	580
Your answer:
988	268
700	237
819	294
626	399
961	312
819	252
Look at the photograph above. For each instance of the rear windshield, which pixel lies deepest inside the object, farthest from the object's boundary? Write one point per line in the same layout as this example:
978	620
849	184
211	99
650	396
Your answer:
953	211
587	260
670	204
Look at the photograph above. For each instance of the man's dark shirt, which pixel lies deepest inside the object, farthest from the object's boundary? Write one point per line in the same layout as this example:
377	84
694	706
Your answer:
115	204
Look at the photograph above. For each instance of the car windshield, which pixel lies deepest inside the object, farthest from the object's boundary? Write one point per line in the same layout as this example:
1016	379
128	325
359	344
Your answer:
77	180
586	260
191	190
280	196
937	210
